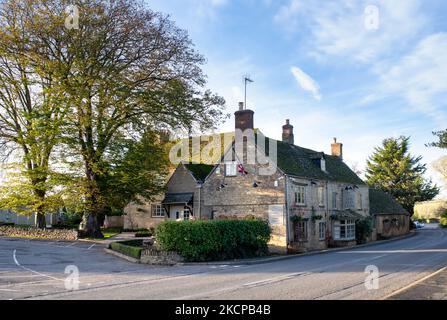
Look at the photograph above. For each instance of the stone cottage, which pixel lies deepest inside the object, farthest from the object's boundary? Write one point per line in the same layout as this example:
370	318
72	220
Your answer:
389	217
311	200
182	200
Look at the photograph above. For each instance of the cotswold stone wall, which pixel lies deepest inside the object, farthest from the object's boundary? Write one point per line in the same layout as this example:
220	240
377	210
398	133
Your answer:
392	225
48	234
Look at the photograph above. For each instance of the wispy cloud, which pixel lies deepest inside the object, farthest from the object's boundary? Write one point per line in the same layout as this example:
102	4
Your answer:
337	28
420	77
306	82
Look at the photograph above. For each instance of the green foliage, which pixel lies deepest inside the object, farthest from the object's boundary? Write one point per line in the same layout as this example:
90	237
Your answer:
392	169
129	248
145	233
214	239
442	139
443	220
363	229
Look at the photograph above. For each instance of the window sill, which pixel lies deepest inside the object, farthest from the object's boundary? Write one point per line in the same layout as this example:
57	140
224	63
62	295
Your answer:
157	217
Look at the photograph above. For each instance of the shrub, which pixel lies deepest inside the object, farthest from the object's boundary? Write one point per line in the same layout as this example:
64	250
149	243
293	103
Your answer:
443	220
145	233
131	248
215	239
363	229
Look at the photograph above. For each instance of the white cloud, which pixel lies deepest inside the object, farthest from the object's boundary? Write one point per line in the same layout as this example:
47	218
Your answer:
337	28
306	82
420	77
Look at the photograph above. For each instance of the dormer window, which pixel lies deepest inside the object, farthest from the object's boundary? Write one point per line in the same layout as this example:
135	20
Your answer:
323	164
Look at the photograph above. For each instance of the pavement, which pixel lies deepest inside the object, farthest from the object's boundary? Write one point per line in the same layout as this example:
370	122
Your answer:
82	270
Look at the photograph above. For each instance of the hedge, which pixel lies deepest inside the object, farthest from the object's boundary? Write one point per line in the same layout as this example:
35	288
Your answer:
214	239
130	248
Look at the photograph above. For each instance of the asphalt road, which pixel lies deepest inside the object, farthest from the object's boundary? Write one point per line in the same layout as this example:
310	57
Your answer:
44	270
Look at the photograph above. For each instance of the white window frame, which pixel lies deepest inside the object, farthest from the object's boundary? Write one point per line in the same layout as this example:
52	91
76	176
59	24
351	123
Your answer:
322	230
344	230
231	169
300	195
349	199
305	232
158	211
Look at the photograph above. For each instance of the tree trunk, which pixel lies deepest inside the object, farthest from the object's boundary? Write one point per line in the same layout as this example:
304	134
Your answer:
89	227
39	221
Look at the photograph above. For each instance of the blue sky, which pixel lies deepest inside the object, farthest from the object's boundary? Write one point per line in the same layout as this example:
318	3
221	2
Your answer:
360	71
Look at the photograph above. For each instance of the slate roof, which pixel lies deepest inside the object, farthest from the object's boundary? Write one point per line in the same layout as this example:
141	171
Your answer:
199	171
347	214
383	203
175	198
298	161
293	160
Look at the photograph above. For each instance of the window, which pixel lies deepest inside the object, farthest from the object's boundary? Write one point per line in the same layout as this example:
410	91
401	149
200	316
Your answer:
177	215
322	230
359	201
158	211
186	214
334	200
301	231
300	195
230	169
320	196
348	199
344	230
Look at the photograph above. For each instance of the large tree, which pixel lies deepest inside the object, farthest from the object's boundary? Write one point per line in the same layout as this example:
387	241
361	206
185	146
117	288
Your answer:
393	169
441	139
128	69
30	110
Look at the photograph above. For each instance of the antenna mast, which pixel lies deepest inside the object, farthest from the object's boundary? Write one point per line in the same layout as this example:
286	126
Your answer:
246	79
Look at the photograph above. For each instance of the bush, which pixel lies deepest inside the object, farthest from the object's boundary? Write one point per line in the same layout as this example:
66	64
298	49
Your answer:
215	239
130	248
145	233
443	220
363	229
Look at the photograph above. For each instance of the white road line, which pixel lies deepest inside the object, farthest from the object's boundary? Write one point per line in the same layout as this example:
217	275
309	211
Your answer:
70	245
30	270
91	246
413	284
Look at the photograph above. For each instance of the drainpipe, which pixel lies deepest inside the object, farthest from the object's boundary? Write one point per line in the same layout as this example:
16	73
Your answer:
287	211
199	201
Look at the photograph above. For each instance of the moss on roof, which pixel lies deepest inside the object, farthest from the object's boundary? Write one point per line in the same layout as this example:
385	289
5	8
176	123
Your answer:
199	171
300	162
291	159
381	202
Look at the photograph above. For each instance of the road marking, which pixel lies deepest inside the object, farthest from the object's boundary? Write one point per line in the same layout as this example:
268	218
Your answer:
91	246
70	245
30	270
413	284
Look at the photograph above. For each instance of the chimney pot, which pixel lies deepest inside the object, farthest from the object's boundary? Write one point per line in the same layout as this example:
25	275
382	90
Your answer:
287	133
243	118
337	149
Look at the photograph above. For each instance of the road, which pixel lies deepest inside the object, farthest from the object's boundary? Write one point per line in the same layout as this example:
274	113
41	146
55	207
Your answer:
36	270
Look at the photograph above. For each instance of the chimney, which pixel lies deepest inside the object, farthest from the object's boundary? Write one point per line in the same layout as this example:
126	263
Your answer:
287	133
337	149
243	118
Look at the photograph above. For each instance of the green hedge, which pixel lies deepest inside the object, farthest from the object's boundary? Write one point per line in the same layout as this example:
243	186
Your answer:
130	248
215	239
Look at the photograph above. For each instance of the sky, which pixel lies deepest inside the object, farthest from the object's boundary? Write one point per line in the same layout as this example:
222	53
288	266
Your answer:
361	71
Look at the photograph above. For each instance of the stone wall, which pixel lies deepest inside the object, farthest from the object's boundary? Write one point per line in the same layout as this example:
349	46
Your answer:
114	221
138	216
389	225
158	257
48	234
